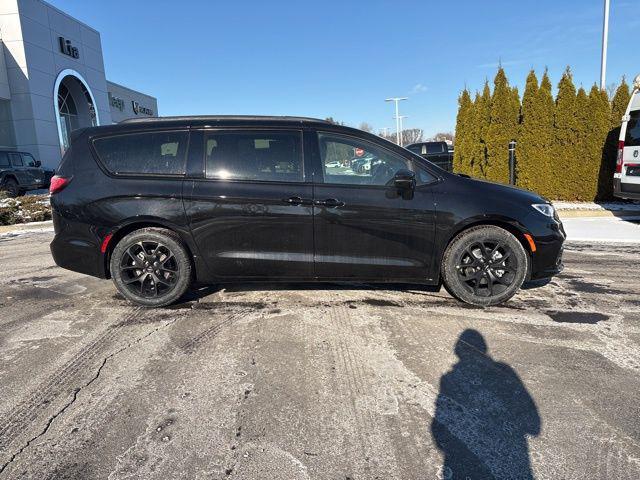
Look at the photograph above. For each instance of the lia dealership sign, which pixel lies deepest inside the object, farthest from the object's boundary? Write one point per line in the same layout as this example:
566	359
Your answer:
67	48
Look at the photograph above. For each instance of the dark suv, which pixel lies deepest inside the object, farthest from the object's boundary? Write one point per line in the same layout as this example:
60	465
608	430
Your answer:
20	172
160	203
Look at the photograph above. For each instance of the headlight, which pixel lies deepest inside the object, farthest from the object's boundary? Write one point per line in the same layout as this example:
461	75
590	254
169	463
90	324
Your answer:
544	208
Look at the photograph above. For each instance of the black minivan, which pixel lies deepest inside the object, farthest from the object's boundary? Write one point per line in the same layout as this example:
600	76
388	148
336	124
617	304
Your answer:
157	204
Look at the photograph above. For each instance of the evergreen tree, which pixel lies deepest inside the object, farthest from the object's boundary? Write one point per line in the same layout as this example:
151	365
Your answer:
528	148
482	120
618	107
547	166
564	138
598	129
474	136
505	110
575	170
461	156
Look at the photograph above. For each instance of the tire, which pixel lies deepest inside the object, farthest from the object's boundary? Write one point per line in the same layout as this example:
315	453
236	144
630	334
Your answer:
484	265
151	267
11	187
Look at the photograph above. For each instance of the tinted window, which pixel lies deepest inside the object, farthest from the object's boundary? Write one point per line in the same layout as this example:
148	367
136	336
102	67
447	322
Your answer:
424	177
4	159
28	160
159	153
16	160
254	155
349	160
633	130
434	148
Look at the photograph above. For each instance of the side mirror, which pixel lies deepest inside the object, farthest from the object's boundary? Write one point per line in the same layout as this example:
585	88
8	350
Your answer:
404	180
38	163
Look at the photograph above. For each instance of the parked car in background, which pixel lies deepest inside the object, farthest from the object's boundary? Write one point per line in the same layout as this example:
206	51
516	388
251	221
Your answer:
435	152
160	203
626	179
20	172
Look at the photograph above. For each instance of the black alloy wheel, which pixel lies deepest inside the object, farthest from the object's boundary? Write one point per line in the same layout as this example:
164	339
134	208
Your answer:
484	265
487	268
11	187
151	267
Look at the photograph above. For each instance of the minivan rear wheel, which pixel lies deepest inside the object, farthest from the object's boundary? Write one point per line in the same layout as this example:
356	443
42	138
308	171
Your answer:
484	265
151	267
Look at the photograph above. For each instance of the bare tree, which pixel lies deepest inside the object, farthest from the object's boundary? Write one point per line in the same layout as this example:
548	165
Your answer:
366	127
444	136
611	89
411	135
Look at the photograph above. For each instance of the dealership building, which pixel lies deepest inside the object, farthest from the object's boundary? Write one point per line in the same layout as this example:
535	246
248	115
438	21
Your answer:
52	81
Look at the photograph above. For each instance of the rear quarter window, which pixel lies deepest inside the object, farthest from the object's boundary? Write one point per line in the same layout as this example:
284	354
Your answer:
633	130
4	160
144	153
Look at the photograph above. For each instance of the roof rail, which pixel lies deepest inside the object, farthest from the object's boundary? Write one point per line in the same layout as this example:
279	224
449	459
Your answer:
223	117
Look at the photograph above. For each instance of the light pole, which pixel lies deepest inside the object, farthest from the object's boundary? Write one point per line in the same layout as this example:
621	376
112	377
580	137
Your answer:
605	37
401	117
396	100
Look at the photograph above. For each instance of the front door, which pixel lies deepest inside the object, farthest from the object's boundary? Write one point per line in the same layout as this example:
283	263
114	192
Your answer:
34	174
19	169
364	227
251	210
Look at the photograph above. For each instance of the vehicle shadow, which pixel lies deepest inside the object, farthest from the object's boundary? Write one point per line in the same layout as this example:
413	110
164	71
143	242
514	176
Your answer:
484	416
198	292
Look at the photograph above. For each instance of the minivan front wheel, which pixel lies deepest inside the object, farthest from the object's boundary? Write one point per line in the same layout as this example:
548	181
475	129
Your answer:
151	267
485	265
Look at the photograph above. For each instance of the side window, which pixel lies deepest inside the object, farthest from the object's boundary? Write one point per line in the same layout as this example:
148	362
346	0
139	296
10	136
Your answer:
152	153
4	159
433	148
274	156
16	160
28	160
347	160
633	130
424	177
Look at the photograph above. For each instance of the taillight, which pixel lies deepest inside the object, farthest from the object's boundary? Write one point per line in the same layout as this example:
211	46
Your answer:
58	183
620	155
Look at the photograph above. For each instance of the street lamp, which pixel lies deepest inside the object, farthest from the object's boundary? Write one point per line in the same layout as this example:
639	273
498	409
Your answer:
605	37
396	100
401	117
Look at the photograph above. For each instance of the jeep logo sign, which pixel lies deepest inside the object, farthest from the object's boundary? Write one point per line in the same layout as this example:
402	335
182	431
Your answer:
138	109
116	102
67	48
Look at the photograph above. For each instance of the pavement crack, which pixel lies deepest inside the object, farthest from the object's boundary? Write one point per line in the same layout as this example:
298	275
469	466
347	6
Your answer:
77	390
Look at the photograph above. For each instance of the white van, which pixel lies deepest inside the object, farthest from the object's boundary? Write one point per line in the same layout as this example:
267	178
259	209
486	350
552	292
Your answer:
626	179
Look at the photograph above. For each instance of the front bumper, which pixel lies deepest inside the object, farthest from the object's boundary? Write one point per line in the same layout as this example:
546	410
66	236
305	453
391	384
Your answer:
546	261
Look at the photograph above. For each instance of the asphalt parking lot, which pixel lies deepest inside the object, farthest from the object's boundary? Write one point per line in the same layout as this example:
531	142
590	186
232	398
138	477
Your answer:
338	382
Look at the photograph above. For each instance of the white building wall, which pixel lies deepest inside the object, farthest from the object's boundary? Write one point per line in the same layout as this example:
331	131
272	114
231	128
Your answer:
31	61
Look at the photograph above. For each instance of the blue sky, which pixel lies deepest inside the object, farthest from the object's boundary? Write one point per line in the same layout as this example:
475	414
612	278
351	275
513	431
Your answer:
343	58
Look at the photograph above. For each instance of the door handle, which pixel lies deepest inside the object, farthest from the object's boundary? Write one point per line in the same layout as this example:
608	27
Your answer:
297	201
330	203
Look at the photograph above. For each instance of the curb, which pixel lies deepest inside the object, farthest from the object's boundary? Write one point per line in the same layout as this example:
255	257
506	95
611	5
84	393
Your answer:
597	213
27	227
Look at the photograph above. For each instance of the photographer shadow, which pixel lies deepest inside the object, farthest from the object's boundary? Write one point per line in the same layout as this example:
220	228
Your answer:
484	416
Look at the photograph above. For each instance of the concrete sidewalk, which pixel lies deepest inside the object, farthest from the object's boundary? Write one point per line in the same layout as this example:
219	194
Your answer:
603	229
